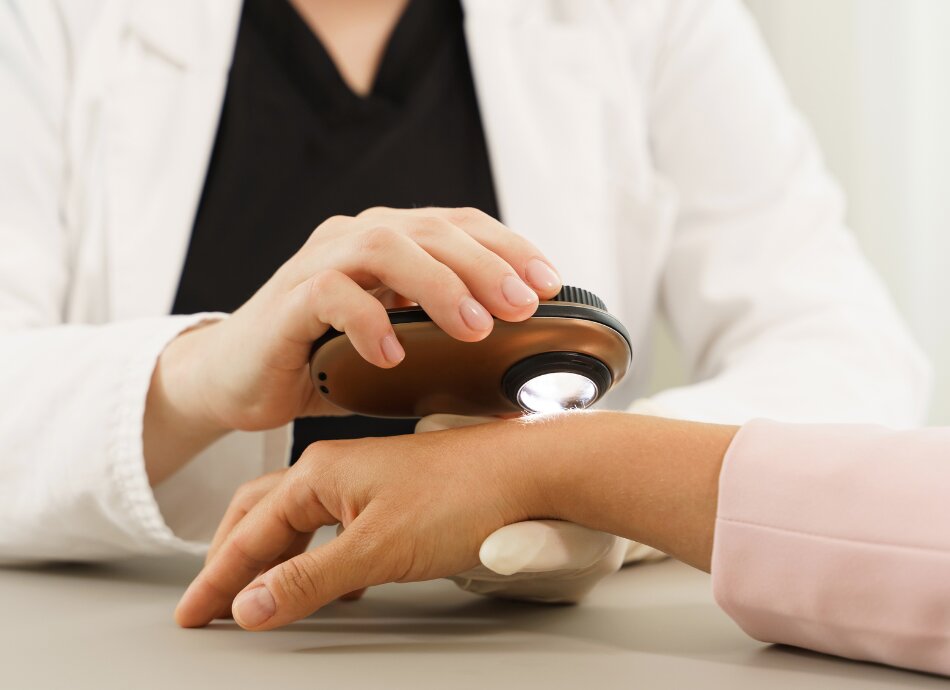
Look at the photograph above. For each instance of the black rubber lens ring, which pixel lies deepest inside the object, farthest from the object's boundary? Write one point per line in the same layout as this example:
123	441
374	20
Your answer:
556	362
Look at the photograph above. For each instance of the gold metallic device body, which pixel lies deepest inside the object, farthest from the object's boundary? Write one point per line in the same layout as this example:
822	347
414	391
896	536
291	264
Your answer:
444	375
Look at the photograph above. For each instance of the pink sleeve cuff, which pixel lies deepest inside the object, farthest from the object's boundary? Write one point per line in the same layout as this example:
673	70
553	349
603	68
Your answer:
837	538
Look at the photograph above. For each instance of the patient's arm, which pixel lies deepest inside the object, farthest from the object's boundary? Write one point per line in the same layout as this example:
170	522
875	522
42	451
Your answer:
828	537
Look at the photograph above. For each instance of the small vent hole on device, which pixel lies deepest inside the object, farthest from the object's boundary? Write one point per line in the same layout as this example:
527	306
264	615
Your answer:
324	390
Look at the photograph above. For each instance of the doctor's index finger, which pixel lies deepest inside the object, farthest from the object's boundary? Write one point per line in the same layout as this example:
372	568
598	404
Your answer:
528	261
259	539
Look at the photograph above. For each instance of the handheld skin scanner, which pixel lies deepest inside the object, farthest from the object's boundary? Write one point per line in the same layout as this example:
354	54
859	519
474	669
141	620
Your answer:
566	356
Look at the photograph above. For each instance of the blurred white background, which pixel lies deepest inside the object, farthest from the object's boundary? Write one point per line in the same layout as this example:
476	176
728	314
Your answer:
872	77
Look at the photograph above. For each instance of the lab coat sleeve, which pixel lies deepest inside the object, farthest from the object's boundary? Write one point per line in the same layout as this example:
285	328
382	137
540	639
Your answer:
72	477
835	538
777	312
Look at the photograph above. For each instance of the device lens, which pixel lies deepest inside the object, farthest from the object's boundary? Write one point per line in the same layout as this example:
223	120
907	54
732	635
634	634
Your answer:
556	391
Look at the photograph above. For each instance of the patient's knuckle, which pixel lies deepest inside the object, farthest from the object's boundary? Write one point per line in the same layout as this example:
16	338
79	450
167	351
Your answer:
246	561
311	456
317	459
245	494
297	582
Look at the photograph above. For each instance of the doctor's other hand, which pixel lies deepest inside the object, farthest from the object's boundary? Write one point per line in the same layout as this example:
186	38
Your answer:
249	371
420	507
548	561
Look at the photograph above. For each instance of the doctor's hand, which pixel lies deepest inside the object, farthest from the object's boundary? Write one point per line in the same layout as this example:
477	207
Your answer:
250	372
549	561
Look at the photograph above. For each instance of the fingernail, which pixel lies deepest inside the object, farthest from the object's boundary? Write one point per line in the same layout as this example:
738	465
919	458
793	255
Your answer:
474	315
253	607
517	293
542	276
392	350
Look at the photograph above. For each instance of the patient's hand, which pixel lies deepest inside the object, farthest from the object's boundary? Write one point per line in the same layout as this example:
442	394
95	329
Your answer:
413	508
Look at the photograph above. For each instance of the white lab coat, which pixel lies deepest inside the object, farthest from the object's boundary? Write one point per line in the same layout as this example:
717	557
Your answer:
647	146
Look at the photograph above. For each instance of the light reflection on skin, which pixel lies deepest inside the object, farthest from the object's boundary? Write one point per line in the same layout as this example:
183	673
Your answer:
545	417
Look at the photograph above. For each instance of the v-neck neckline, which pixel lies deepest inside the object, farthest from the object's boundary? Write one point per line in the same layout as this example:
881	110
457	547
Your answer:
415	39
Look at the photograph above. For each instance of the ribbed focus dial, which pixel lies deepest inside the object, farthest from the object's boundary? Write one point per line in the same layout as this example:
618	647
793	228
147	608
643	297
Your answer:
579	296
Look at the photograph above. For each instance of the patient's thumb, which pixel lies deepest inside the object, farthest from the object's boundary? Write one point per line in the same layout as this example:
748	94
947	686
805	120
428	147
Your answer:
301	585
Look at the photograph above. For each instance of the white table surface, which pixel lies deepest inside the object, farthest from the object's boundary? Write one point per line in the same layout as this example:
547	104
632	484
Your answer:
651	626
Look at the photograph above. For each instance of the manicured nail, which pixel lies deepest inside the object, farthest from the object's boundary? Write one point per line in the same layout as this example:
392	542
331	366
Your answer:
474	315
542	276
392	350
254	606
517	293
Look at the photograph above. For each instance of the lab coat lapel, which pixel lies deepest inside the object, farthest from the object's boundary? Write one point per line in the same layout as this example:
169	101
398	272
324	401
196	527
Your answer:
562	108
538	69
161	118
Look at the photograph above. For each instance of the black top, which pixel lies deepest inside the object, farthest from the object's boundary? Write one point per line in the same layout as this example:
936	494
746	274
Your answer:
295	145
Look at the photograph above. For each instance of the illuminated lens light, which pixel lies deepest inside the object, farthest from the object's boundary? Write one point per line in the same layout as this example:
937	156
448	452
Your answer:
557	391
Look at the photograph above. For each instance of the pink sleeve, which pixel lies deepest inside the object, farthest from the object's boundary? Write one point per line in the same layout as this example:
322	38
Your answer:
837	538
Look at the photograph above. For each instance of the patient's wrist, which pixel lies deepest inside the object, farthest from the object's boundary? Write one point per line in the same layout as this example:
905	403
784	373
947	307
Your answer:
558	465
652	480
